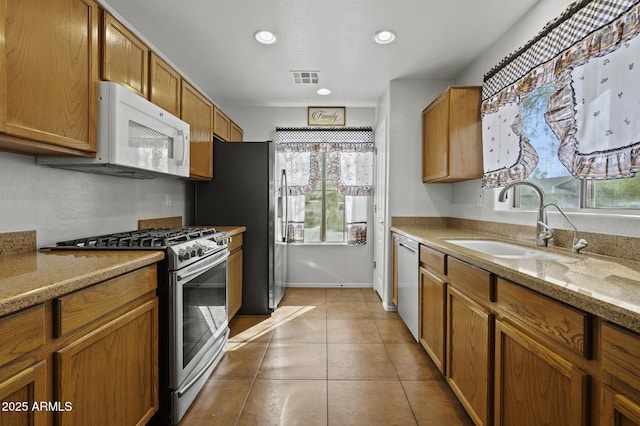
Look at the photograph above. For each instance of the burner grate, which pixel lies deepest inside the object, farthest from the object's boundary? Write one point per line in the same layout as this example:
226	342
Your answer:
144	238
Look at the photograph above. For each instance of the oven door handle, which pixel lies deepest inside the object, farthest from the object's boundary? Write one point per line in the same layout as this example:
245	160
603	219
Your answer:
203	266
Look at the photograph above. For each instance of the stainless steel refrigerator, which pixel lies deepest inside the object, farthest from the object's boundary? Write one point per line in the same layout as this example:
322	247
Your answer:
243	193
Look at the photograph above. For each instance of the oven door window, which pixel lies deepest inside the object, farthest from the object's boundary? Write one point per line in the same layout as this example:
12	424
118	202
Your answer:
204	309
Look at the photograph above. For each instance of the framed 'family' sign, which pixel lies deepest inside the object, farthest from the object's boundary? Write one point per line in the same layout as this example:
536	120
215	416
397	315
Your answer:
326	116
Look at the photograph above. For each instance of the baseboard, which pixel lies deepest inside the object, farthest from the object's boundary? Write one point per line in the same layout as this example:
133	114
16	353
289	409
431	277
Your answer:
331	285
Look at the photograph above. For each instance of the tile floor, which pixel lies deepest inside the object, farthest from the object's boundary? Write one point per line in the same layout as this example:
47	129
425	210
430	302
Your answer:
325	357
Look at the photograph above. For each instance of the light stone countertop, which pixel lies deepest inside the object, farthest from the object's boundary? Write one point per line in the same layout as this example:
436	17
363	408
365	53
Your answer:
604	286
30	278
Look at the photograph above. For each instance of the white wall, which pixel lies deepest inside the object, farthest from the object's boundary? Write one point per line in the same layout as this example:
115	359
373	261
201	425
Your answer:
408	196
466	203
62	204
314	265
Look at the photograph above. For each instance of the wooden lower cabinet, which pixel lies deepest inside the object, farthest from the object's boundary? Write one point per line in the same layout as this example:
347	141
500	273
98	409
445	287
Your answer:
469	354
89	357
21	393
534	385
618	409
433	293
111	374
234	274
621	376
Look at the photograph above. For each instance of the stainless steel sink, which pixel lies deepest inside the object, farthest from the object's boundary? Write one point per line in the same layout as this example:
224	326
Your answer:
507	250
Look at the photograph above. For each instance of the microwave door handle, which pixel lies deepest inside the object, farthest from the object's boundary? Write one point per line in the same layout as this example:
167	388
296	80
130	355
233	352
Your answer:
183	145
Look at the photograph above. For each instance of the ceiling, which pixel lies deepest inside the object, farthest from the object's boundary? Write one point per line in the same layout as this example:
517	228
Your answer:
211	42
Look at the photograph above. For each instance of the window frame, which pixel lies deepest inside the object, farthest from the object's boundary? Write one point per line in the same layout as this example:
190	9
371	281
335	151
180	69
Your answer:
586	201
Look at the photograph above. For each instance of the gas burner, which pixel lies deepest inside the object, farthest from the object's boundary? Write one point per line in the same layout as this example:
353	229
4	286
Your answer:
141	239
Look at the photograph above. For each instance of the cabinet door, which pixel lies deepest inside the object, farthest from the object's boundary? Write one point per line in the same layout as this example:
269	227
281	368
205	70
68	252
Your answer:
221	124
465	133
125	58
48	76
235	133
22	392
432	316
618	409
435	140
164	85
198	112
469	354
535	386
111	374
235	283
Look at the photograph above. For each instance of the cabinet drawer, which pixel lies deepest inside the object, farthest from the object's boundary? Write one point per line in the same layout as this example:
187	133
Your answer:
21	333
236	242
471	280
561	323
433	260
85	306
621	354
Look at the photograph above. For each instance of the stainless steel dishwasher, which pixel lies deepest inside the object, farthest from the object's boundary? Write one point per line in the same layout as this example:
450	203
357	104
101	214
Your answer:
408	279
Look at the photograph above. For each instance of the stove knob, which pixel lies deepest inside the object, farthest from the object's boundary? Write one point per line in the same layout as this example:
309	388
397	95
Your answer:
200	251
183	255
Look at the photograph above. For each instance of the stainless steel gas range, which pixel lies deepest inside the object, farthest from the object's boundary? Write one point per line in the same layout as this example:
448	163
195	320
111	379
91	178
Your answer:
192	294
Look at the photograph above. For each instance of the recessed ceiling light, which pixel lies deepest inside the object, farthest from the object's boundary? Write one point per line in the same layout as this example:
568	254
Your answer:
384	37
265	37
323	92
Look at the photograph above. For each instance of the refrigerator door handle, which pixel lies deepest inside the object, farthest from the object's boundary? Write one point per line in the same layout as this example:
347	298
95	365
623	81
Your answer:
285	221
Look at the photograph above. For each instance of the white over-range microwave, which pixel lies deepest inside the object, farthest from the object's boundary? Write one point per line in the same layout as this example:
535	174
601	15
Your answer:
136	139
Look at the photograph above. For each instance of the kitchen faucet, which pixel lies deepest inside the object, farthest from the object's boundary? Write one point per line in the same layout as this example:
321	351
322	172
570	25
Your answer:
543	232
578	243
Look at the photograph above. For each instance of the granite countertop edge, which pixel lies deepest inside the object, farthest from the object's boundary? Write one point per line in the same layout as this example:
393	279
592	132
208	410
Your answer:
580	295
31	277
34	286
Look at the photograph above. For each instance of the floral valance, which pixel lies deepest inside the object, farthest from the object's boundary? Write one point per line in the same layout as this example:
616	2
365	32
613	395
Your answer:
579	76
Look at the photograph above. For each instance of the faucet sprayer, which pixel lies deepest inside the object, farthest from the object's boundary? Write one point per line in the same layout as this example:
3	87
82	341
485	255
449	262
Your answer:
578	243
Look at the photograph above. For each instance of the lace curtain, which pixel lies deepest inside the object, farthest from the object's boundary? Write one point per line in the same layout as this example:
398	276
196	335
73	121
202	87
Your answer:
351	154
584	66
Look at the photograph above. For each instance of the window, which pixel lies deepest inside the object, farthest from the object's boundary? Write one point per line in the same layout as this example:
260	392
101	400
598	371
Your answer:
559	186
324	219
328	176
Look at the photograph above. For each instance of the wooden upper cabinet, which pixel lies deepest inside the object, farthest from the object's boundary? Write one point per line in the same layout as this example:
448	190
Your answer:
125	58
451	136
198	112
221	124
164	85
48	77
235	132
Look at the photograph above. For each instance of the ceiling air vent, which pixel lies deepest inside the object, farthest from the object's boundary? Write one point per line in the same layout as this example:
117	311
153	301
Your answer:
305	77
